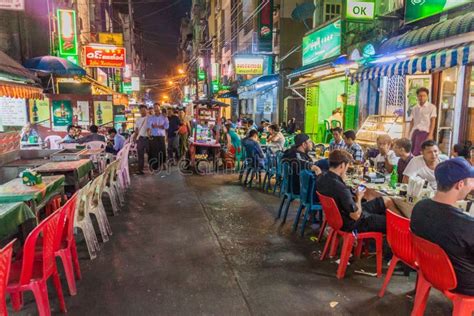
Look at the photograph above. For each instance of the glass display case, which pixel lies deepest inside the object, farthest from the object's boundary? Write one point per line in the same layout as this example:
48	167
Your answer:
376	125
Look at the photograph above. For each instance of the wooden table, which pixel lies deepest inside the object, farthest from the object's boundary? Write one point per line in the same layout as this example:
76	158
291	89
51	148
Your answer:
36	196
76	173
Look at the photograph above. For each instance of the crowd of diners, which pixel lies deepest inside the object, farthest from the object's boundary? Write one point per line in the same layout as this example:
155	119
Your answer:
436	219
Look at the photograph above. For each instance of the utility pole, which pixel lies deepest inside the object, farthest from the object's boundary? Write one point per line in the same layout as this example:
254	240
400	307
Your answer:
131	28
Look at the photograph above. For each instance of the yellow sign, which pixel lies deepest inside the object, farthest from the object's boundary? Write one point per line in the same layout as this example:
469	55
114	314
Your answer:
103	113
111	38
248	66
40	112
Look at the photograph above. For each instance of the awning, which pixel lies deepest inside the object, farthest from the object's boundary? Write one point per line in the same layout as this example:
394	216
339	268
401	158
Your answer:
325	64
20	91
438	59
228	94
11	68
434	32
258	85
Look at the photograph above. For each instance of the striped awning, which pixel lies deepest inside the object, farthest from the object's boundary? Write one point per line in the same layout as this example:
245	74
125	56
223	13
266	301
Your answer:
20	91
439	59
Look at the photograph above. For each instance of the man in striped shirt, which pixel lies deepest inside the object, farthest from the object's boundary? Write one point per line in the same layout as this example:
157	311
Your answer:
352	147
337	142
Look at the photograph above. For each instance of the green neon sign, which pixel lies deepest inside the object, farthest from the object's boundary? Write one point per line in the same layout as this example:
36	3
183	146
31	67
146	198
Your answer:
360	10
420	9
126	87
322	44
67	32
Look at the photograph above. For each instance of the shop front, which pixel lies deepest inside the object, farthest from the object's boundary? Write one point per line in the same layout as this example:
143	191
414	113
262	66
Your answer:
258	98
443	65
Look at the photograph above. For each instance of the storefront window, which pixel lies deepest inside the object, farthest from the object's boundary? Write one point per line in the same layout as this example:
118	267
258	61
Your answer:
470	110
446	111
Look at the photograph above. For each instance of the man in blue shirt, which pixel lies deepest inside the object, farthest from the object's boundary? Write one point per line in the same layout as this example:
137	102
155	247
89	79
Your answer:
253	150
117	142
71	135
157	126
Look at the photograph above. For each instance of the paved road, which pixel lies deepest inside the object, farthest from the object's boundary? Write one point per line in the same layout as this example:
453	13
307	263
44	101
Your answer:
199	245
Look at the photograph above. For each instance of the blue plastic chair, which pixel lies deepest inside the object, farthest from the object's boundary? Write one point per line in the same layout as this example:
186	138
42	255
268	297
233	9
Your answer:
270	169
287	191
307	200
252	168
278	172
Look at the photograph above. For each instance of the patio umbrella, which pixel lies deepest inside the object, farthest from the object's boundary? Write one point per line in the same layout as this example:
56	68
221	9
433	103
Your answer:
55	66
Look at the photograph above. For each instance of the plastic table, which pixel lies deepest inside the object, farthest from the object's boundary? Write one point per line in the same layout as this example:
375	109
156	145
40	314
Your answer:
75	172
12	216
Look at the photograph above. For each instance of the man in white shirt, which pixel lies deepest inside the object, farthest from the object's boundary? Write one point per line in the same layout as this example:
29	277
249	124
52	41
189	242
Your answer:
423	166
423	121
140	136
386	158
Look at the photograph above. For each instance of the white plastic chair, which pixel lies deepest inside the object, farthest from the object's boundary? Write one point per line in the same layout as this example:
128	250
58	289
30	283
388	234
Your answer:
100	160
96	207
124	173
83	221
110	186
53	141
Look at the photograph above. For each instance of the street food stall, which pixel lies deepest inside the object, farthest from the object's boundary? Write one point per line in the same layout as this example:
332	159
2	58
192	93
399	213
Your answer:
204	147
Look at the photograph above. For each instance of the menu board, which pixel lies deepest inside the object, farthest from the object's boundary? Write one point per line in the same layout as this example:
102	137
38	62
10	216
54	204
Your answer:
62	114
40	112
13	111
103	112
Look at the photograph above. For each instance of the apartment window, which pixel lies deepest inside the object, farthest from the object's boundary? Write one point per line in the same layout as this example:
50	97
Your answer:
331	10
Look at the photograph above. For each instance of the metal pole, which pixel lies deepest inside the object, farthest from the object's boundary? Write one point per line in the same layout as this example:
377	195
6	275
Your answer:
132	35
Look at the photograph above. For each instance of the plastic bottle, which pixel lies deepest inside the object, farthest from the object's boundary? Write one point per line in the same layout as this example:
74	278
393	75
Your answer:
394	177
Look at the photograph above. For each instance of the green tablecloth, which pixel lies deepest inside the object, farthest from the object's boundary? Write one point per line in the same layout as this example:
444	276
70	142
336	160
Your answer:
13	215
16	191
80	168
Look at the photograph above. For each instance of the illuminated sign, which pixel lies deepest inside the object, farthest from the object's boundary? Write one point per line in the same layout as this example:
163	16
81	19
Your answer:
67	32
16	5
126	87
135	84
322	44
104	56
115	39
360	10
73	59
265	25
248	65
420	9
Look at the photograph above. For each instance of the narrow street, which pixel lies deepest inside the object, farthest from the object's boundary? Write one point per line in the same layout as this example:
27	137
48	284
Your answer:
203	245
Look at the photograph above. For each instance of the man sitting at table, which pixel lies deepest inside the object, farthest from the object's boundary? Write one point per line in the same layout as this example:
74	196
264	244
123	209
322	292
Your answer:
337	142
92	137
402	148
363	217
440	222
71	135
116	142
352	147
299	159
253	149
424	165
386	158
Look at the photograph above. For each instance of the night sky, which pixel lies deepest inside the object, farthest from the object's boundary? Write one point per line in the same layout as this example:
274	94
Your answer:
160	21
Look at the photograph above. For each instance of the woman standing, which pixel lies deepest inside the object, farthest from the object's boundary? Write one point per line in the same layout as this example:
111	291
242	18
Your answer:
183	132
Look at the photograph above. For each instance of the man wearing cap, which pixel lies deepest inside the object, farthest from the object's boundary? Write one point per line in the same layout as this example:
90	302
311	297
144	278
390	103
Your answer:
299	153
440	222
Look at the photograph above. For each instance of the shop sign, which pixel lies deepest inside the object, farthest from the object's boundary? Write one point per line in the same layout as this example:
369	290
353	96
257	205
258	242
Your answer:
360	10
12	112
15	5
126	87
265	25
115	39
62	114
102	77
248	65
103	112
420	9
67	32
73	59
40	113
135	83
215	86
127	73
104	56
322	44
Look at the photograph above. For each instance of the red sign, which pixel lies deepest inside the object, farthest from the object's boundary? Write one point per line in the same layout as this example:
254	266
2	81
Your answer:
103	56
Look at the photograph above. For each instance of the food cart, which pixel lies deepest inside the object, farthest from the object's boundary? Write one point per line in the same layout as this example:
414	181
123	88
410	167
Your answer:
204	146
